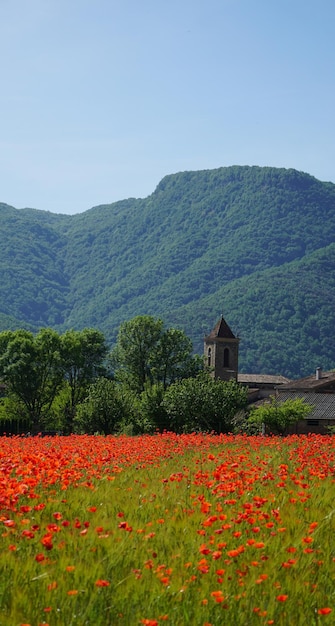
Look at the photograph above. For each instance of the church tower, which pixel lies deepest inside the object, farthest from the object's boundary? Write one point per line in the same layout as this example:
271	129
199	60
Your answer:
221	352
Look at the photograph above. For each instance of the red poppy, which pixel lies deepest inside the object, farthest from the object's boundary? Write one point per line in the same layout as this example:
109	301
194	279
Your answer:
102	583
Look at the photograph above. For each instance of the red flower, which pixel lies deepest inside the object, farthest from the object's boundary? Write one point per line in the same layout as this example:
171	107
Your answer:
102	583
282	598
324	611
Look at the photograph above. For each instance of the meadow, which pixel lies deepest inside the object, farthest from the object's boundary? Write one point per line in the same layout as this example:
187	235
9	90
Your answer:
194	529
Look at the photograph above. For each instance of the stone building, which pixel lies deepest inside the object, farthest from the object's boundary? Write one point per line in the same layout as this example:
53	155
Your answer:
221	351
318	390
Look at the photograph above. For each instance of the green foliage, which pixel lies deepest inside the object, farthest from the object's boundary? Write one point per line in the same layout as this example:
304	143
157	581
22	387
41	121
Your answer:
203	404
46	374
31	368
245	240
151	409
83	356
275	416
146	352
135	350
104	409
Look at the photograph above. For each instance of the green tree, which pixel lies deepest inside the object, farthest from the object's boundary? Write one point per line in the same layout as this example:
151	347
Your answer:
31	368
173	357
275	416
104	408
146	352
204	404
136	345
83	358
151	410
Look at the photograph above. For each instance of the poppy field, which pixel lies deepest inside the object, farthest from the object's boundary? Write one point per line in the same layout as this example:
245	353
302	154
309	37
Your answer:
193	529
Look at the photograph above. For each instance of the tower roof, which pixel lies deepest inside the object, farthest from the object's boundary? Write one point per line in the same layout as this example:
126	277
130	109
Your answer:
221	330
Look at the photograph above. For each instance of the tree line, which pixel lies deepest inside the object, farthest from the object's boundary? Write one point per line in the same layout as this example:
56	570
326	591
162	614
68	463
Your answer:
151	380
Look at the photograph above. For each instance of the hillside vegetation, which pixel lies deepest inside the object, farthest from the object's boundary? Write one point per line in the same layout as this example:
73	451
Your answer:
253	243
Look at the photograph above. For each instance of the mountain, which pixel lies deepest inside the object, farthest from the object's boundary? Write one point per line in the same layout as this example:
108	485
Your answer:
253	243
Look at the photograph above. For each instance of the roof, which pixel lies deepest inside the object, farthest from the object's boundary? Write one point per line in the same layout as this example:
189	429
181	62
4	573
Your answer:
267	379
323	403
221	331
310	383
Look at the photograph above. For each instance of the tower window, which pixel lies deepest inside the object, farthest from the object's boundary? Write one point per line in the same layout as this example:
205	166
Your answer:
226	357
209	357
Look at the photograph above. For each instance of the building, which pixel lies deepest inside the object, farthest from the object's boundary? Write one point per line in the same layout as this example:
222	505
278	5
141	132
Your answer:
317	390
221	355
221	351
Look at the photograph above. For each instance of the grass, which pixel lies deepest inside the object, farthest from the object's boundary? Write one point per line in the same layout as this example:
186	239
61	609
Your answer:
195	529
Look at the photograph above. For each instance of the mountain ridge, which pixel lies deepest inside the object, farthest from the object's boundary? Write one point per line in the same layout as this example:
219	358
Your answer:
201	244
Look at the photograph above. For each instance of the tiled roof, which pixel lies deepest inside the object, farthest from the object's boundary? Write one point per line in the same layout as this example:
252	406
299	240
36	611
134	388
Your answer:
311	382
323	403
262	379
221	330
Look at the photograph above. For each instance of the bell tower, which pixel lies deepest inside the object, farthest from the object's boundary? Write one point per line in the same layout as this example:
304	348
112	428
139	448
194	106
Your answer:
221	352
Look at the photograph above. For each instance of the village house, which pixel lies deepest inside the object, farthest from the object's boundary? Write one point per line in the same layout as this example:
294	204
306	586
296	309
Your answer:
317	390
221	355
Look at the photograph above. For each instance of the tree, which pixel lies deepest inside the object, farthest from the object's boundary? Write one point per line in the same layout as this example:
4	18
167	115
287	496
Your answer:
173	357
147	353
31	368
104	408
83	356
276	416
151	413
136	344
204	404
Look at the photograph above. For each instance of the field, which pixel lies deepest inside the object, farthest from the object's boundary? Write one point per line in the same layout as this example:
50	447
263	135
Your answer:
198	529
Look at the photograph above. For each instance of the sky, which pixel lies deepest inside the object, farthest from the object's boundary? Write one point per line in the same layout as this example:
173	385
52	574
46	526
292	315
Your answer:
100	99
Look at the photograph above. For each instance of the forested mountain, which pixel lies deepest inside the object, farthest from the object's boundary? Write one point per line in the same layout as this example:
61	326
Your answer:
253	243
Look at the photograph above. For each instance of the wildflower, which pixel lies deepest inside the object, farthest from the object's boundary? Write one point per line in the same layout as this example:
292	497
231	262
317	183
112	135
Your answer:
9	523
282	598
102	583
325	611
218	596
46	541
72	592
52	585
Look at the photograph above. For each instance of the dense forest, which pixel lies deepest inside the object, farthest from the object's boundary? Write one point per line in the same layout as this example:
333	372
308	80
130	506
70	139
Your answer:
253	243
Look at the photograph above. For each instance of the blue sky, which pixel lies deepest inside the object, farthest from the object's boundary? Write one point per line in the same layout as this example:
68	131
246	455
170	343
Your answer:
102	98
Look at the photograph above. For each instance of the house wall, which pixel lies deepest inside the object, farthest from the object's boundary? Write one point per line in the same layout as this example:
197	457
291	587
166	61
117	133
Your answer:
304	427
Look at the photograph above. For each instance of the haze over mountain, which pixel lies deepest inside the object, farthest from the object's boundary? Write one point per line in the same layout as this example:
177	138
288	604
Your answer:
253	243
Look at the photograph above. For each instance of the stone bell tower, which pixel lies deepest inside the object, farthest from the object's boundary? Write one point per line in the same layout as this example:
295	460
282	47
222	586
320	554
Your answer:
221	352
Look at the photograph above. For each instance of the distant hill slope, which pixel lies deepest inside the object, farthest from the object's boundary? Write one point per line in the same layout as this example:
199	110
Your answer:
255	243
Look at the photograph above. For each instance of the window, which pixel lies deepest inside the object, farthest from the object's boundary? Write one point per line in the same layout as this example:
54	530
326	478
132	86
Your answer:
209	357
226	357
313	422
